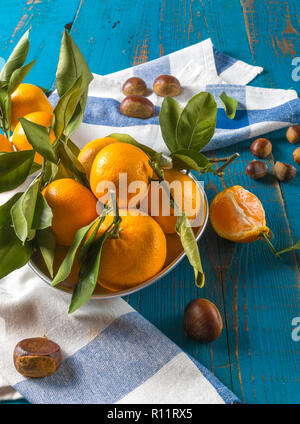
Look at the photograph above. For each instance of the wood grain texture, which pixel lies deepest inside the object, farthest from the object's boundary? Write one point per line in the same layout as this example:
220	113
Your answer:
257	295
46	19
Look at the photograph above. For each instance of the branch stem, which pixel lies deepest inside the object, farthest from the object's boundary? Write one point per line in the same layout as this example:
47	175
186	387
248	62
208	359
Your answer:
220	171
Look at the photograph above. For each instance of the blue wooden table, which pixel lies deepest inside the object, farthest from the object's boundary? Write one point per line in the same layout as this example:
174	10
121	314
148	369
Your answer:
257	295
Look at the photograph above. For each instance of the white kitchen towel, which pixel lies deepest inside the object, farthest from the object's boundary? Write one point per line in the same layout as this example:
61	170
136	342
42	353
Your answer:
199	68
111	353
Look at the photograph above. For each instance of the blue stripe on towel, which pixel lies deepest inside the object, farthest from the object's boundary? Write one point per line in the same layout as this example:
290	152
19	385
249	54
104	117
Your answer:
225	393
150	70
106	111
287	112
238	92
117	361
223	61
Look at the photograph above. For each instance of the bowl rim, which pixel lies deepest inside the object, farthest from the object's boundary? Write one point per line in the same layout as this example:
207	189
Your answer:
149	282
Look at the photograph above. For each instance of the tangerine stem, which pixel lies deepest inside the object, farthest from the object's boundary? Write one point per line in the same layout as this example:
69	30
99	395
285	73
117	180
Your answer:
115	232
219	171
270	244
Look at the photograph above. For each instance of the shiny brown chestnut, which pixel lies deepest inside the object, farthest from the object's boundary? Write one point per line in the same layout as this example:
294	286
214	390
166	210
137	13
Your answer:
134	86
137	107
296	155
293	134
37	357
202	321
284	171
256	169
261	148
166	85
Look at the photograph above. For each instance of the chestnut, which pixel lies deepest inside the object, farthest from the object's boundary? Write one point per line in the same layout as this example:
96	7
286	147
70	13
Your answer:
256	169
202	321
284	171
137	107
135	86
166	85
37	357
293	134
296	155
261	148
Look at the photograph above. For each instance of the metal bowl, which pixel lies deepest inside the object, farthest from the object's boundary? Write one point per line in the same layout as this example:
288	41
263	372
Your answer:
102	293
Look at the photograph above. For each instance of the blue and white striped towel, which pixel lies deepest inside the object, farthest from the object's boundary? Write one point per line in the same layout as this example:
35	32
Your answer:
112	354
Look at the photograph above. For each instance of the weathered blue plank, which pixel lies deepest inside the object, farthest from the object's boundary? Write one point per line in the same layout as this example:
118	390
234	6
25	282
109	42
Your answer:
47	19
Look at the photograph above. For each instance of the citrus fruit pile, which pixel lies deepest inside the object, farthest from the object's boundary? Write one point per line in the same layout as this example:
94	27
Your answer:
139	251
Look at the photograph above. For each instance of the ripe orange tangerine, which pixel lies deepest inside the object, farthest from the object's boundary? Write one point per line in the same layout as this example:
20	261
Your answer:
5	144
28	98
116	159
238	215
19	137
73	207
89	152
135	256
187	196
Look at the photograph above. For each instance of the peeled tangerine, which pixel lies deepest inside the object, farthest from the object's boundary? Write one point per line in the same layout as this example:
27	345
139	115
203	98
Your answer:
238	215
136	255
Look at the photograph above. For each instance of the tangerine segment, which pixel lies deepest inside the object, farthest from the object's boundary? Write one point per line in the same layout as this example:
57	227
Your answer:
89	152
73	207
238	215
135	256
19	137
186	195
121	164
5	144
28	98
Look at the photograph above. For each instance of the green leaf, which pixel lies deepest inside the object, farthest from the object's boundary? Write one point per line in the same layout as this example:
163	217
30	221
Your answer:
294	247
22	212
5	110
42	214
5	217
13	254
88	275
72	80
38	137
197	122
168	119
188	241
14	168
71	66
16	59
77	116
49	173
229	104
125	138
46	243
190	159
84	249
18	76
35	167
66	266
72	164
72	146
66	106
